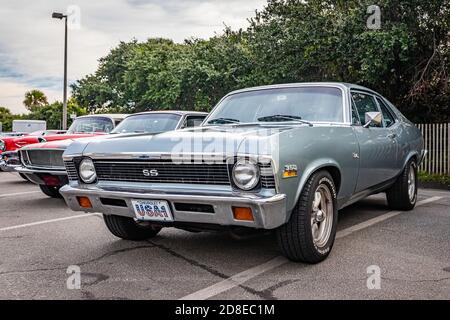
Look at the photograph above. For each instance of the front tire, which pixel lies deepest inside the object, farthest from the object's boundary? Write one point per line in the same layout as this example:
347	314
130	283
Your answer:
130	229
403	194
309	235
52	192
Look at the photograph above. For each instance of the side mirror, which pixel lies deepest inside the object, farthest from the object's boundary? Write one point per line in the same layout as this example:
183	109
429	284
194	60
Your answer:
375	118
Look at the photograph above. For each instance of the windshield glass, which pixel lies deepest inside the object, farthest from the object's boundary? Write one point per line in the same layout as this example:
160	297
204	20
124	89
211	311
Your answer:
148	123
91	125
284	104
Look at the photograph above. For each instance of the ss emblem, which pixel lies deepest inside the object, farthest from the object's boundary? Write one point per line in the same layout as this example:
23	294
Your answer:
150	173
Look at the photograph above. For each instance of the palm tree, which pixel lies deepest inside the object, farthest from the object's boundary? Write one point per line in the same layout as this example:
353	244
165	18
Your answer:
35	98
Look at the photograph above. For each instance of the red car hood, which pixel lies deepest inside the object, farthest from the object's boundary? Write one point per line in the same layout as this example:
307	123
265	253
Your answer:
58	137
64	143
15	143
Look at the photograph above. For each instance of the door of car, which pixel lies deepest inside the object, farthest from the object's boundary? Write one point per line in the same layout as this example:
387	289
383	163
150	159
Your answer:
378	145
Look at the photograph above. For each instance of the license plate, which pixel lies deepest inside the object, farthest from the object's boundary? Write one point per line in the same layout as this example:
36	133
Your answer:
152	210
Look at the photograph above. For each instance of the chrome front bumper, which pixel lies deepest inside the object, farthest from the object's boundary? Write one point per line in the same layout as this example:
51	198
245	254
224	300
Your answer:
268	212
37	175
4	166
9	161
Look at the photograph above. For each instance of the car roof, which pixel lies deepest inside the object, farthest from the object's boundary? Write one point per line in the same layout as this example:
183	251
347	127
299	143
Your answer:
178	112
115	116
342	85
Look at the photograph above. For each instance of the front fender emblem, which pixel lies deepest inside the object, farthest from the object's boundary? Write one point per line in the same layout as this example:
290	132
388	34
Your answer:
355	155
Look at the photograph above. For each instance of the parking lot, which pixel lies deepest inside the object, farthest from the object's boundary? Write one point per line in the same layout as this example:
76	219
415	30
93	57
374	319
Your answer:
40	238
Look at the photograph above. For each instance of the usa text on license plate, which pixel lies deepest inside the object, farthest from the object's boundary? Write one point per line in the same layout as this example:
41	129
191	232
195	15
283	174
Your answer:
152	210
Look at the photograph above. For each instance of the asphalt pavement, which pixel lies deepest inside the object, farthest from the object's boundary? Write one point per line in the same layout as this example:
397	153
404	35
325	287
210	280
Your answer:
41	240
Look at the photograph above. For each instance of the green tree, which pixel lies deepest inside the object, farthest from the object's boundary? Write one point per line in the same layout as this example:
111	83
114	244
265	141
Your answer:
407	60
34	99
52	113
6	118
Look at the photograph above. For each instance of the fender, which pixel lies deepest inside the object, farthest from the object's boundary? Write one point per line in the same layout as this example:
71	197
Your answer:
309	171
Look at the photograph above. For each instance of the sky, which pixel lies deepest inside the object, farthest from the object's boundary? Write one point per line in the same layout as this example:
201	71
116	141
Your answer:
32	43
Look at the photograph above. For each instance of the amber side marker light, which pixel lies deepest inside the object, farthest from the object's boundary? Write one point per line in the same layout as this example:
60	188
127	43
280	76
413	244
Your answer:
84	202
244	214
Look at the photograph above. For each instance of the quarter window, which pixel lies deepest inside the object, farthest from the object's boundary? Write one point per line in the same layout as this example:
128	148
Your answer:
364	103
387	116
194	121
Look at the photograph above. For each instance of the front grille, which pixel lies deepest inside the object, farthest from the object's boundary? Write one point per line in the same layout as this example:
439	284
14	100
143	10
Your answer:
267	177
167	172
44	158
71	170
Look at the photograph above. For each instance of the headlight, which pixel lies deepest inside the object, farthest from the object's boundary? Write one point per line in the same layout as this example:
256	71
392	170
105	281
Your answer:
2	145
87	171
245	174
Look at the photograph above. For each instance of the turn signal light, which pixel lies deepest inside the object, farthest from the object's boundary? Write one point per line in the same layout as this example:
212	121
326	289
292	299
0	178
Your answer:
244	214
84	202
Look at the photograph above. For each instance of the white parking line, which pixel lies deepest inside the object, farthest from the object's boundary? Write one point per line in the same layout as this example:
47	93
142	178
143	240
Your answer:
246	275
17	194
49	221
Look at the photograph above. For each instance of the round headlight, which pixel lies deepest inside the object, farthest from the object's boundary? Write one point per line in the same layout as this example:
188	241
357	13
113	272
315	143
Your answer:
87	171
2	145
245	174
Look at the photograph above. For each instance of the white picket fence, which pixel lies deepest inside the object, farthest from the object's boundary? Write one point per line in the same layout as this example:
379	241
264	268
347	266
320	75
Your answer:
437	142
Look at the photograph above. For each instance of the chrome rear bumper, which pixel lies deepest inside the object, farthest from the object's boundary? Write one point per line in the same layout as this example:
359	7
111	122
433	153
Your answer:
268	212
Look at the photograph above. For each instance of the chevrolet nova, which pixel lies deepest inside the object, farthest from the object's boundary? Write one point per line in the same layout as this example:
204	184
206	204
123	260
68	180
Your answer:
283	158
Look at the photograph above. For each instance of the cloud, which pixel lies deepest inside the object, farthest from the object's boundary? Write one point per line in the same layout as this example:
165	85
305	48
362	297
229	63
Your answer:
31	43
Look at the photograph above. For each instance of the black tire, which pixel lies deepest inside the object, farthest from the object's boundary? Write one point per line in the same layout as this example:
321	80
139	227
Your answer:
52	192
24	177
128	229
295	238
398	196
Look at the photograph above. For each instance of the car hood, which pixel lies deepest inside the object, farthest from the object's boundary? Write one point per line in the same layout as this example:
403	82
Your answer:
225	140
64	144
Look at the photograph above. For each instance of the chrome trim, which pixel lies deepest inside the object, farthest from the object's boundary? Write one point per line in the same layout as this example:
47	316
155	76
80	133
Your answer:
269	212
423	154
25	170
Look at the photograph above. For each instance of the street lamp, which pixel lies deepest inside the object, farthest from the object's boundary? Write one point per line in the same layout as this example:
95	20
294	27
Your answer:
58	15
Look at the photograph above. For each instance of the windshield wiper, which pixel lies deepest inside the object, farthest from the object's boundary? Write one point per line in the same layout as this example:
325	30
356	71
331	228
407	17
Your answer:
223	120
284	117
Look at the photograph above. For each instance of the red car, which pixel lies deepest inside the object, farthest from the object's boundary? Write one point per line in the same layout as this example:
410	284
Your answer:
82	127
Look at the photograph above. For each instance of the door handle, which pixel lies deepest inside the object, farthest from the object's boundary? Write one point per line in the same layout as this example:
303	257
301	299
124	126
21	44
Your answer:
392	136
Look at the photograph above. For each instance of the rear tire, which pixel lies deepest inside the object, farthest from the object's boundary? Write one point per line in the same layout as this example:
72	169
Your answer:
129	229
52	192
309	235
403	194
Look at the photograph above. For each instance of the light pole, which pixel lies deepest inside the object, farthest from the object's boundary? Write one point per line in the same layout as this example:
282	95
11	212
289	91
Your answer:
57	15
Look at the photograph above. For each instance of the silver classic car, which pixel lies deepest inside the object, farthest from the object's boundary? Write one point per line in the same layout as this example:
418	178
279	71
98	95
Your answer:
283	158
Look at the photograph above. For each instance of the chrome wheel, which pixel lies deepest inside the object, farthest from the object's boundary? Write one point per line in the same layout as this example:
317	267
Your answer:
322	215
412	183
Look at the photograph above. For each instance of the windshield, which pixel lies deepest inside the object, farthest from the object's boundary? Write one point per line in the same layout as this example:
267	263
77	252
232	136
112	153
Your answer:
278	105
148	123
91	125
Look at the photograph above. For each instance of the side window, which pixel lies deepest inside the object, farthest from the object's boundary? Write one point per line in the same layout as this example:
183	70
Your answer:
364	103
387	116
193	121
